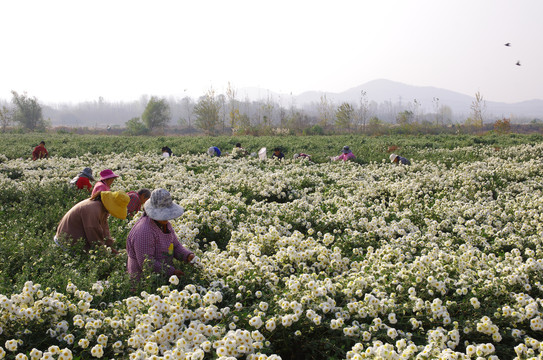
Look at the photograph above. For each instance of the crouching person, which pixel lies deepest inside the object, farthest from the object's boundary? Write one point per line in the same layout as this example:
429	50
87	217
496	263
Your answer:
397	159
153	239
87	220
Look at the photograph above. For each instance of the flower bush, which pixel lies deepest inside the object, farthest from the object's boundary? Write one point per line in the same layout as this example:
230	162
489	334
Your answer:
440	259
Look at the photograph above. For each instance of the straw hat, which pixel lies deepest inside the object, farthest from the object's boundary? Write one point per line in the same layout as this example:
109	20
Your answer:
392	157
161	207
115	203
107	174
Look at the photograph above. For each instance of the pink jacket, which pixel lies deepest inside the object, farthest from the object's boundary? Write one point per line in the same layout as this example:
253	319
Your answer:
99	186
345	157
147	241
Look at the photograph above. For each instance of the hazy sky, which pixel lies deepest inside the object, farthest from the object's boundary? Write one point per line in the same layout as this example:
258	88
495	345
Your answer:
71	51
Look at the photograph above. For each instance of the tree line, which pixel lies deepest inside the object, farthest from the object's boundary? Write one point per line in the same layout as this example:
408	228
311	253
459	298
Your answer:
214	114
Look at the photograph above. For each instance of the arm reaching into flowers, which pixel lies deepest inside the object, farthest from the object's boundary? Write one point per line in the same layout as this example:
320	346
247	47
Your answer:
147	241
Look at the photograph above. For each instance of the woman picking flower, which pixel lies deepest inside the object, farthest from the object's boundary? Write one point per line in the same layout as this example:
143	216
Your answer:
152	238
87	220
106	179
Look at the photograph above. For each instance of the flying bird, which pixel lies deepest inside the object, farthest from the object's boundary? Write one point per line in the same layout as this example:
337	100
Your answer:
507	44
518	63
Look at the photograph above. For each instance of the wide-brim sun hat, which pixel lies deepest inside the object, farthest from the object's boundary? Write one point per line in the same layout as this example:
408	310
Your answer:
392	157
346	150
88	173
161	207
107	174
115	203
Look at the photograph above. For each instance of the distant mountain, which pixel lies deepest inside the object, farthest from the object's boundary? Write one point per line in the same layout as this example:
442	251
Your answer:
399	94
530	108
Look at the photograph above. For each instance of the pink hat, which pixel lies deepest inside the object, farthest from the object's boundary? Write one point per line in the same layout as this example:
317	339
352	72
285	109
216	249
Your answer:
107	174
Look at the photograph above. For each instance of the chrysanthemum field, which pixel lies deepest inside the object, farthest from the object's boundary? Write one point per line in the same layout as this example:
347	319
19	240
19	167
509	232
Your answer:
442	259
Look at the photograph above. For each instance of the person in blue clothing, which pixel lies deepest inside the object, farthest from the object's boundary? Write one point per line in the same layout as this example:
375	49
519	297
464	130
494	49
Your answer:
214	151
397	159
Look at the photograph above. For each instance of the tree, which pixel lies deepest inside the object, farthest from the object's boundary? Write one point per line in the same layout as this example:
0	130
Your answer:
221	99
364	110
477	111
282	116
435	101
416	110
27	112
326	111
267	109
156	113
375	124
446	114
405	117
233	113
189	106
244	122
502	126
134	126
344	116
207	112
296	121
6	116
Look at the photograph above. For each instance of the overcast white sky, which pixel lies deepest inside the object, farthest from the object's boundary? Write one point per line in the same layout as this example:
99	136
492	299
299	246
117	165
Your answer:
71	51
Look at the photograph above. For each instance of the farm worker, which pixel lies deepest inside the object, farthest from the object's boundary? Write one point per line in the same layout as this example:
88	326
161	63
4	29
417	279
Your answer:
302	156
239	152
262	154
137	200
397	159
277	154
40	152
214	151
153	238
83	179
87	219
346	154
166	151
106	179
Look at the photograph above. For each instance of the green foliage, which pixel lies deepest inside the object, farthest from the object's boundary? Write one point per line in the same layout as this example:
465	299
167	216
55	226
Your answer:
6	117
315	130
325	109
135	127
207	113
477	111
297	121
502	126
43	208
405	117
28	112
28	253
156	114
344	116
367	148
